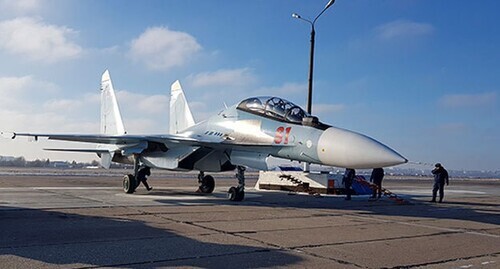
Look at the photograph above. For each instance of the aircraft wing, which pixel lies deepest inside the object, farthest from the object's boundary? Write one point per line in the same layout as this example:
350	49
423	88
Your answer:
124	140
107	139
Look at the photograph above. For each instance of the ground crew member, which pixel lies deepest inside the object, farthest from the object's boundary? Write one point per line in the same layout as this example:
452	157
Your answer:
347	180
377	177
142	177
440	178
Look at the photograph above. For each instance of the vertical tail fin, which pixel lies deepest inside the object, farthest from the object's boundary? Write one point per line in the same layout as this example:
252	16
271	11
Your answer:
111	119
180	114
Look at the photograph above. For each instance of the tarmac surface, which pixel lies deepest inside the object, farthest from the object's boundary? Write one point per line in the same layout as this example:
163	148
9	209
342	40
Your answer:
82	219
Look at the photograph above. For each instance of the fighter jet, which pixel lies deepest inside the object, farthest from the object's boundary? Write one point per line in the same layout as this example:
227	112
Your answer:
243	135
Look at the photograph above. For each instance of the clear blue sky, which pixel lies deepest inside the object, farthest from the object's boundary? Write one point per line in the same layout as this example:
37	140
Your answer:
421	76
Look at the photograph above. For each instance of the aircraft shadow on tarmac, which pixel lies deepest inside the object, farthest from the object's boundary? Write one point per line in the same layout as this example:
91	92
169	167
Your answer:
481	212
58	238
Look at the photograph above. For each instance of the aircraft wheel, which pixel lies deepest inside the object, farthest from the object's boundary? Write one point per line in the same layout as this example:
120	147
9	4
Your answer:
235	194
129	183
240	195
207	184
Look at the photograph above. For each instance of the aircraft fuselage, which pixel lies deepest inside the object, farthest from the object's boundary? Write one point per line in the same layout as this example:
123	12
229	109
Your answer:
301	138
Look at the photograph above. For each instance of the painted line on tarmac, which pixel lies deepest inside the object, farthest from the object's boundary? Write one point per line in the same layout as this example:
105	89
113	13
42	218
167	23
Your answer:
60	188
76	188
183	196
427	191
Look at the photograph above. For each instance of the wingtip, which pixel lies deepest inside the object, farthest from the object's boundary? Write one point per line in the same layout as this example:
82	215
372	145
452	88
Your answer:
10	135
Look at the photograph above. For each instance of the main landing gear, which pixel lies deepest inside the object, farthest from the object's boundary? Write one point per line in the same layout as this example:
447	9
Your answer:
207	183
130	182
238	193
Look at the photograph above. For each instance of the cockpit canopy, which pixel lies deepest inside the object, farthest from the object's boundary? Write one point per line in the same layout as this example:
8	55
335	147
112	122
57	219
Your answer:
274	107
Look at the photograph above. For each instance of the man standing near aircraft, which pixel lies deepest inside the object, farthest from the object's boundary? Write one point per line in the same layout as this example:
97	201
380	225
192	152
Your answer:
347	180
377	177
142	177
440	177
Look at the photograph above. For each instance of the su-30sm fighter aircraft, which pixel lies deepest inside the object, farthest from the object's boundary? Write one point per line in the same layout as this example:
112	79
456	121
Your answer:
241	136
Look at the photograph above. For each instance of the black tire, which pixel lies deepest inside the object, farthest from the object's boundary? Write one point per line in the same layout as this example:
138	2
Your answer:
235	194
207	184
129	183
240	195
231	194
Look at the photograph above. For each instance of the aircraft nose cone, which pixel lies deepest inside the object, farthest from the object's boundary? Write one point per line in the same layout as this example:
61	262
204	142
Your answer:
344	148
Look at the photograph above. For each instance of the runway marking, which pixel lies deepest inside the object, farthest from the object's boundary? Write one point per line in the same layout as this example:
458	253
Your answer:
75	188
427	191
183	196
416	224
60	188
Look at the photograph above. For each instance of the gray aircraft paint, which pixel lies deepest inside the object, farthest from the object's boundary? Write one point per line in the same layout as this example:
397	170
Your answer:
245	134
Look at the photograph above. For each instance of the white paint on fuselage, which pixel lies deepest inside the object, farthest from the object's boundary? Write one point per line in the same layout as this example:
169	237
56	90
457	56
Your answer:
343	148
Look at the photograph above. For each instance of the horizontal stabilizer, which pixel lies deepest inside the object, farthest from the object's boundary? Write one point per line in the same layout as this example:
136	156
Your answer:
106	155
80	150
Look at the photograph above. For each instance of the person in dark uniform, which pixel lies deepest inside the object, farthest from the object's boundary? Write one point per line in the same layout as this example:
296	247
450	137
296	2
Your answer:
440	178
377	177
347	180
142	177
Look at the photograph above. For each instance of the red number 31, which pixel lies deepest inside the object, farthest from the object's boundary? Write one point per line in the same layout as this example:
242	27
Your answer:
279	135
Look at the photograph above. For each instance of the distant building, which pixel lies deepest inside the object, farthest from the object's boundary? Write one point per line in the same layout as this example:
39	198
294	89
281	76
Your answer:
59	164
7	158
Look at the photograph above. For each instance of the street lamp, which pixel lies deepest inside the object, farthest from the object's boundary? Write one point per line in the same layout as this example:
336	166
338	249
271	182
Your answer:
311	55
311	60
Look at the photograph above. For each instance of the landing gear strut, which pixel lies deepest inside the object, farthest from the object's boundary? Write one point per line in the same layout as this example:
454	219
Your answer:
207	183
238	193
130	182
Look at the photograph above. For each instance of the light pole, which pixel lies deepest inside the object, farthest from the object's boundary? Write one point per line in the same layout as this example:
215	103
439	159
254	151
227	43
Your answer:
311	60
311	54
